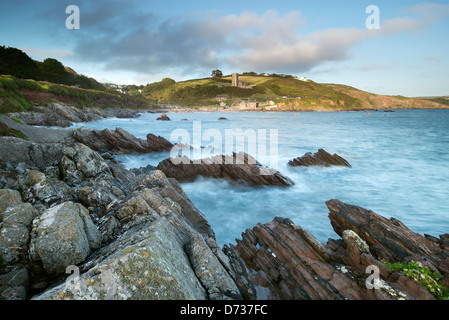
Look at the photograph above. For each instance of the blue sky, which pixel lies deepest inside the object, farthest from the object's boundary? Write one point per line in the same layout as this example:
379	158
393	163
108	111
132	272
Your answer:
139	42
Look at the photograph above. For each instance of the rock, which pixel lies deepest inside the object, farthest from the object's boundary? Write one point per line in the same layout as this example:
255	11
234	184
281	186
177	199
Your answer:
240	168
211	273
157	143
145	263
321	158
41	148
9	198
40	155
96	195
388	239
15	233
80	163
280	260
119	140
282	264
64	235
13	284
163	117
13	293
61	115
109	228
154	250
89	162
15	224
43	192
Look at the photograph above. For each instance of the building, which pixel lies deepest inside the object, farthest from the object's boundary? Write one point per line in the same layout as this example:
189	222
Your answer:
250	104
235	79
240	84
222	97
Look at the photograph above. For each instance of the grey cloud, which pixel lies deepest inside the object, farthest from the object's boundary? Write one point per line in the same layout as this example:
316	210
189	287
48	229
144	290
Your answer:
121	37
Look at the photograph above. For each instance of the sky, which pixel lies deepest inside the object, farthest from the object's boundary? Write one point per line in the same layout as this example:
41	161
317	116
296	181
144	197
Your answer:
139	42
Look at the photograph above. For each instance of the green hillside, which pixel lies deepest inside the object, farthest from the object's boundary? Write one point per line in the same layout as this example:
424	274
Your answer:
285	89
17	95
442	100
287	92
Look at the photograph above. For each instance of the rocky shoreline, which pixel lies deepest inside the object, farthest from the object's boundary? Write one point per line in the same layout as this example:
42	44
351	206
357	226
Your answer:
61	115
75	224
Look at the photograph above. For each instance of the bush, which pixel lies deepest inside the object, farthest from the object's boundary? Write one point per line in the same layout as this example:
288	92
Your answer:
422	274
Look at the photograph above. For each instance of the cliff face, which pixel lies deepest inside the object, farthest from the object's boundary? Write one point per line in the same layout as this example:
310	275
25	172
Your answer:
76	225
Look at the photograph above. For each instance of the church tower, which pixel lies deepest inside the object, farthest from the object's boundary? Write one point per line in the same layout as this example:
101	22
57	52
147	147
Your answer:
235	79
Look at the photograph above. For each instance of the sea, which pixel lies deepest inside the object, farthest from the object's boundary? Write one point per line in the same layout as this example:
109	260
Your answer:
400	165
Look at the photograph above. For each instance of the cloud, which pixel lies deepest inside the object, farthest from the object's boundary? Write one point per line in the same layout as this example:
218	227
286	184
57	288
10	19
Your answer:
41	54
123	38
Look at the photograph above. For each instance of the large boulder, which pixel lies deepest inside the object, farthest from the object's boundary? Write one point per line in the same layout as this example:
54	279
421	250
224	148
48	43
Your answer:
147	262
159	247
83	159
389	239
64	235
119	140
240	168
92	179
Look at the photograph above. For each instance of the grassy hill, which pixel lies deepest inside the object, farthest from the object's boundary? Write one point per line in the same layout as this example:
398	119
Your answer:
17	95
287	92
442	100
201	92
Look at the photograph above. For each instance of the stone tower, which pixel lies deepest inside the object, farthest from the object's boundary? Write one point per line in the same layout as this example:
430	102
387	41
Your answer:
235	79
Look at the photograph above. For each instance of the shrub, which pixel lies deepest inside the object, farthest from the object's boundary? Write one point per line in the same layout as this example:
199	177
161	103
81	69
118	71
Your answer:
418	272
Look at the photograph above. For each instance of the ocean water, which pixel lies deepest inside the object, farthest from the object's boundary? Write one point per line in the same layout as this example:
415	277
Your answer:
399	168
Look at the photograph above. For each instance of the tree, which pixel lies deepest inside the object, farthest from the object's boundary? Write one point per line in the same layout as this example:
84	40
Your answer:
53	71
17	63
217	73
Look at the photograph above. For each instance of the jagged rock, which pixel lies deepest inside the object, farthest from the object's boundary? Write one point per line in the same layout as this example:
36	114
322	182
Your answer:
147	255
119	140
16	221
210	271
279	260
96	195
40	155
241	168
147	262
109	228
87	161
320	158
388	239
43	192
163	117
64	235
15	224
281	263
